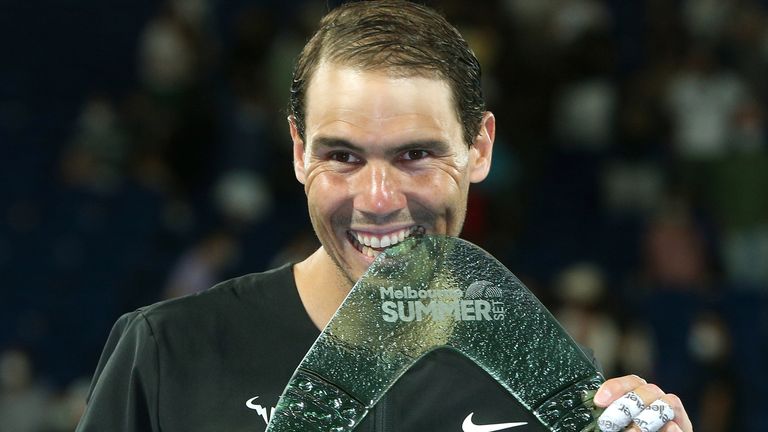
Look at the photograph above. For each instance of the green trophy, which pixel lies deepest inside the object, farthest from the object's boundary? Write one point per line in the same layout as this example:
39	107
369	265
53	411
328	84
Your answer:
436	292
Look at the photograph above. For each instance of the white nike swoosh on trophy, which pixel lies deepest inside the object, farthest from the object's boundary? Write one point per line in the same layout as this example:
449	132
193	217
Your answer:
470	426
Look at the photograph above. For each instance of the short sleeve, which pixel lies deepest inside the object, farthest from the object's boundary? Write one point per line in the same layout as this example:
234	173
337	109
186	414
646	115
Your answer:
124	392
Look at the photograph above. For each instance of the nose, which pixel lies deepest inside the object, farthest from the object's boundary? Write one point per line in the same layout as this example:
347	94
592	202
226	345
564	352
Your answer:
379	193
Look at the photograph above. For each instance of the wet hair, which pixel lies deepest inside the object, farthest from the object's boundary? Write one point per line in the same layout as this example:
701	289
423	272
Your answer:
400	38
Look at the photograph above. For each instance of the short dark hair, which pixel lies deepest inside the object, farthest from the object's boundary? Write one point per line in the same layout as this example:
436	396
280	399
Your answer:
401	38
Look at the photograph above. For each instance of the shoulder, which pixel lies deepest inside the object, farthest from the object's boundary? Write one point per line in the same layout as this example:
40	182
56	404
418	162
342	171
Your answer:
229	298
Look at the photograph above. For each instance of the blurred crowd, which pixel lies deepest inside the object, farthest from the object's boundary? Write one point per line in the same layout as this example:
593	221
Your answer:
629	189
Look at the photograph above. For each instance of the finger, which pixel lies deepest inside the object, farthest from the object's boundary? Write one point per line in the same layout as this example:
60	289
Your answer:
671	427
654	417
649	393
682	422
615	388
620	413
678	421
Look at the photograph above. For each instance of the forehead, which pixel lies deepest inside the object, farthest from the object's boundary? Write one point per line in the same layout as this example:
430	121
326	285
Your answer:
375	105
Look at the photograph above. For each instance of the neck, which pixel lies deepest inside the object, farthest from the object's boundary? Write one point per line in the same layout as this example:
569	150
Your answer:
322	287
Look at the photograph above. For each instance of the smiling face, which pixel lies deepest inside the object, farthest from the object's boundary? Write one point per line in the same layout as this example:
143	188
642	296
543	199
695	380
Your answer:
383	159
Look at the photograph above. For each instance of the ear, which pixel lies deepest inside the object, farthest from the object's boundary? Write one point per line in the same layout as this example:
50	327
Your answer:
482	149
298	151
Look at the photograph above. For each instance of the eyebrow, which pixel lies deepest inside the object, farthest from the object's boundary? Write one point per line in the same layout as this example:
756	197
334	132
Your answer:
331	142
437	146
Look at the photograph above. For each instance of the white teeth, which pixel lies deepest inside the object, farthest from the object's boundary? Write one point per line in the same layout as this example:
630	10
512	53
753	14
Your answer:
370	243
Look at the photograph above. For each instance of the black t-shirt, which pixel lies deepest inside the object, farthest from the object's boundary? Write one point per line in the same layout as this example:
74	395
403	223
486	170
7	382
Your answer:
219	360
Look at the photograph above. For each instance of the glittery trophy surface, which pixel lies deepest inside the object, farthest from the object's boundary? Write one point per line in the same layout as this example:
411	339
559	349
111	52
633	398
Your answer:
438	292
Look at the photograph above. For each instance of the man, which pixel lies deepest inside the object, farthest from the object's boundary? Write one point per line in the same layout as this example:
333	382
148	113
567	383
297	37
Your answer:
389	129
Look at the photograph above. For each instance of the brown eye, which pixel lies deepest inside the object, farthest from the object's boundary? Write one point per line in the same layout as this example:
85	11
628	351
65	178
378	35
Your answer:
340	157
343	157
415	154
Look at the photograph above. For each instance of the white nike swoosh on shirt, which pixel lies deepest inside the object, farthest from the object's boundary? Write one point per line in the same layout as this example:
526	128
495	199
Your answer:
470	426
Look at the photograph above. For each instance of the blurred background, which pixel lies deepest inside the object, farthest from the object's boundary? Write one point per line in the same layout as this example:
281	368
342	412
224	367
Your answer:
145	155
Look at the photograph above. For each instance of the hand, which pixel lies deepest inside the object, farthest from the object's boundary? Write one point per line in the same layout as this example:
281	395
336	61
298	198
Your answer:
623	408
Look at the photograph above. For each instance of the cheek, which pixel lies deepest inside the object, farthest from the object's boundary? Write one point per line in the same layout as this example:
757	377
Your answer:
326	192
319	181
441	186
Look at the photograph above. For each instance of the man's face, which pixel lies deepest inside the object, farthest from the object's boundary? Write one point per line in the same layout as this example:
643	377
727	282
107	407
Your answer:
383	160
